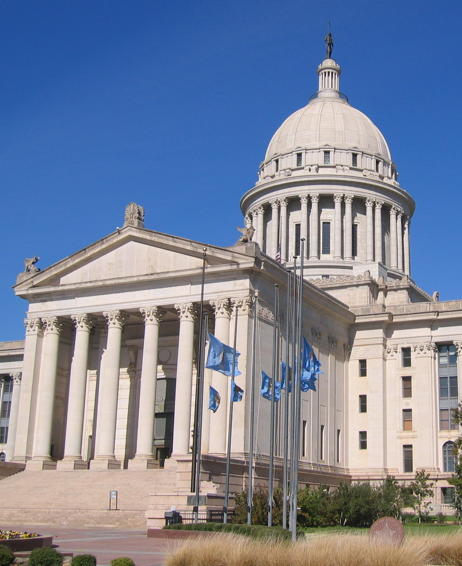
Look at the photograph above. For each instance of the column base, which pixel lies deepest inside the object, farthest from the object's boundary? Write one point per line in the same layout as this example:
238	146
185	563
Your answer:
143	464
39	465
70	464
105	464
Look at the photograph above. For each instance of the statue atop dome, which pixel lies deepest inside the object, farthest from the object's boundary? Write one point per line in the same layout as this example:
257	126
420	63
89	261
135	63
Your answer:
329	44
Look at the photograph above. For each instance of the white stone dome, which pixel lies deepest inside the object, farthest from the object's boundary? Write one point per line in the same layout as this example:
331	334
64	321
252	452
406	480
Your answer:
328	122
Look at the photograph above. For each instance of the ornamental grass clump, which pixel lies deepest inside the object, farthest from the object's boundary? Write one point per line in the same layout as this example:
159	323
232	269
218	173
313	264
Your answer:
122	561
45	557
84	560
444	549
6	556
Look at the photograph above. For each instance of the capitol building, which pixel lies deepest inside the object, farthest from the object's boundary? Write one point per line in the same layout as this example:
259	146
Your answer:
100	395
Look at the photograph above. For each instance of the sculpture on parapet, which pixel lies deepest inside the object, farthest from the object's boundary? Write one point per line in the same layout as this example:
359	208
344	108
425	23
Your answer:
29	264
247	234
134	215
329	44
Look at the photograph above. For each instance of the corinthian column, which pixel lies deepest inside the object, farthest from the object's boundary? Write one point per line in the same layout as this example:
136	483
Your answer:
378	230
146	414
348	227
259	236
109	393
283	204
407	247
274	227
220	382
46	390
183	387
12	426
304	222
369	230
77	387
393	248
314	227
338	227
399	237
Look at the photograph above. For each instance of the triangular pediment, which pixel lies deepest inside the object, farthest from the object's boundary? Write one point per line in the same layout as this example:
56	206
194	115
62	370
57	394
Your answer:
132	253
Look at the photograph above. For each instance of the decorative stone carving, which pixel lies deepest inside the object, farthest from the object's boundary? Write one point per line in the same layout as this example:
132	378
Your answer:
390	352
312	168
348	199
274	203
261	210
115	319
332	342
316	335
152	315
247	221
243	303
33	325
458	346
436	296
134	215
222	307
83	321
393	210
52	324
347	351
287	172
369	202
265	313
283	202
187	311
247	234
379	203
341	168
29	264
424	348
303	199
314	198
16	377
342	279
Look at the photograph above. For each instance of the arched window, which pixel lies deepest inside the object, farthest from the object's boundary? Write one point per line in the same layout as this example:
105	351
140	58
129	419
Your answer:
448	457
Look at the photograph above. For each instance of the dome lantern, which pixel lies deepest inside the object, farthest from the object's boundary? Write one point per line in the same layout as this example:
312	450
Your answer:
329	79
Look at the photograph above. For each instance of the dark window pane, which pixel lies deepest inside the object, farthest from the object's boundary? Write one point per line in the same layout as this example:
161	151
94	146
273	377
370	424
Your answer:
448	457
363	440
362	368
407	419
406	357
297	240
327	158
407	387
407	457
299	159
363	403
354	241
444	419
326	237
453	393
354	160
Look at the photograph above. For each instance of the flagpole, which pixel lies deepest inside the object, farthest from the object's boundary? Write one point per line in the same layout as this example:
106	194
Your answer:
230	423
197	436
295	385
286	408
273	405
298	393
252	407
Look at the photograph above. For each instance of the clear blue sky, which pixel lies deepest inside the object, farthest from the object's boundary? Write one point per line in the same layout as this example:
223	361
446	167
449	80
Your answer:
172	105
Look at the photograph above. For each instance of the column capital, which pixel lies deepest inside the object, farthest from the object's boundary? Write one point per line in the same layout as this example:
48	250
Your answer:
152	315
338	198
222	308
254	212
247	221
274	203
52	325
370	202
393	210
407	222
314	198
33	325
186	311
303	199
244	304
283	202
16	377
115	319
261	210
348	199
83	321
379	204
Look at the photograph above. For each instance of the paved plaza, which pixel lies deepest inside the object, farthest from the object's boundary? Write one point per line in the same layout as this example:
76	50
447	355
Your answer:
105	544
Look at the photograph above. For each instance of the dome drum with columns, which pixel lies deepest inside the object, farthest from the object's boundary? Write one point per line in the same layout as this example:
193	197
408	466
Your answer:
328	177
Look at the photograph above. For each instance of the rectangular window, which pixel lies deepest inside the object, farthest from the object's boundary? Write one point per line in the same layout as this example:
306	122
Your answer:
407	458
276	163
448	387
448	495
406	359
321	443
447	420
3	434
327	158
362	368
377	165
297	240
447	355
304	429
363	403
363	440
299	159
407	386
325	238
338	445
407	419
354	241
354	160
5	413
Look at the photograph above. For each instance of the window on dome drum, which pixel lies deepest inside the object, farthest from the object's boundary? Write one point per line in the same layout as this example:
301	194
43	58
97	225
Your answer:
407	419
321	443
297	240
338	445
362	368
408	465
304	436
406	359
299	159
448	457
363	439
276	163
354	241
363	403
377	165
407	386
354	160
327	158
325	238
448	495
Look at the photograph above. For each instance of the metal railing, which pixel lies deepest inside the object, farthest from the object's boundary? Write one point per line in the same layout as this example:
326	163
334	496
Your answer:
316	94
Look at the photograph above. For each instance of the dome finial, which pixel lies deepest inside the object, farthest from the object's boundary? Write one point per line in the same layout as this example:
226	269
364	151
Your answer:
329	44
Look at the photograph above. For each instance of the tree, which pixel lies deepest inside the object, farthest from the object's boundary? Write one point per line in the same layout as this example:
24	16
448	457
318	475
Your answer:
421	488
456	480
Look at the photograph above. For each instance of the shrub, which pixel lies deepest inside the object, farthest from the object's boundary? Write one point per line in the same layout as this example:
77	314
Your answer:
6	556
45	557
123	561
259	506
84	560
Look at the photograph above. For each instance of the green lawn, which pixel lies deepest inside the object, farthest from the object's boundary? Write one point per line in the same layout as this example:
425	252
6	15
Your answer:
410	529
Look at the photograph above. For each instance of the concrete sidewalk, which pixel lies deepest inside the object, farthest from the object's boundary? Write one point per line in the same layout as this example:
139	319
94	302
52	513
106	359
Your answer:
105	544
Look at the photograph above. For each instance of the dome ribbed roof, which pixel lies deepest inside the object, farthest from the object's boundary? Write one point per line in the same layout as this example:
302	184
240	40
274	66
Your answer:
328	121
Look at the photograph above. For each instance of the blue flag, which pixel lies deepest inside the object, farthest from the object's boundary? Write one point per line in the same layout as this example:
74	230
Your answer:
220	357
236	392
310	368
267	387
214	399
283	380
